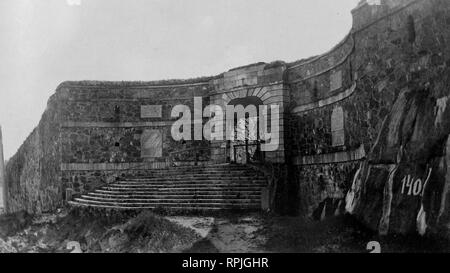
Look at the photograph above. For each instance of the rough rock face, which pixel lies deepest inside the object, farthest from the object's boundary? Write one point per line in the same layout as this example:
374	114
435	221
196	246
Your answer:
403	186
5	248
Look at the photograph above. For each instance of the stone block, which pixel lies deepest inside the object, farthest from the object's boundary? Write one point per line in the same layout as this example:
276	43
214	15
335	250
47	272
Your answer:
337	127
151	143
151	111
265	199
335	80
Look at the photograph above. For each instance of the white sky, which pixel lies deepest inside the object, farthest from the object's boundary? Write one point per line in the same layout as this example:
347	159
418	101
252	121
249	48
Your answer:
46	42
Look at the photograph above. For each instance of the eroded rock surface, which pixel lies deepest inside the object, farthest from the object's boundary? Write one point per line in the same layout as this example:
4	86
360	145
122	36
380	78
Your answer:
403	186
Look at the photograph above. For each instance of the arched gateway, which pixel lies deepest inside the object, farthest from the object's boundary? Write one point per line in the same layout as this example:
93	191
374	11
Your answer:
245	145
259	84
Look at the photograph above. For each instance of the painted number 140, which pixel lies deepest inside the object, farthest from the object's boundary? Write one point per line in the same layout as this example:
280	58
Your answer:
415	187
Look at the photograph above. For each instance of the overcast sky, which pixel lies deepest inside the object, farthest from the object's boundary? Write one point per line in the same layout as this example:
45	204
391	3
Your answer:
46	42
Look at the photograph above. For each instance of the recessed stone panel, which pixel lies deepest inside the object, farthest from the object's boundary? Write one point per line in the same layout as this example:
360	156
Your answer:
335	80
337	127
338	138
151	144
151	111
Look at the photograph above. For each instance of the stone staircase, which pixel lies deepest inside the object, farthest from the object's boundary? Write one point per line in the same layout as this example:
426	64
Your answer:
205	188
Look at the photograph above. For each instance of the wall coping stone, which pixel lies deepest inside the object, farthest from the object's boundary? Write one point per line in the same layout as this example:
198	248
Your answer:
338	157
93	124
126	166
325	102
136	100
137	84
321	56
219	91
393	11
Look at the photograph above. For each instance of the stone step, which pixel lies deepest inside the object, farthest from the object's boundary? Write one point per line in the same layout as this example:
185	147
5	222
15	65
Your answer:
208	188
176	200
188	184
210	167
193	174
190	191
203	168
162	204
227	177
192	188
174	196
195	180
223	165
172	208
202	183
224	177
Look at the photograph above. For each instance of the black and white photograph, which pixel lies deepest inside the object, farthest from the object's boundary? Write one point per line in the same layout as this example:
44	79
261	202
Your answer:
224	131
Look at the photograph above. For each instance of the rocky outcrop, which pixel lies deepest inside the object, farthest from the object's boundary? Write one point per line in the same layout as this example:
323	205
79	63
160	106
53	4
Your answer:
403	186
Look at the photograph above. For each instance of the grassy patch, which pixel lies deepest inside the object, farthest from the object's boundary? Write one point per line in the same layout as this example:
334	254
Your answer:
151	233
99	230
113	231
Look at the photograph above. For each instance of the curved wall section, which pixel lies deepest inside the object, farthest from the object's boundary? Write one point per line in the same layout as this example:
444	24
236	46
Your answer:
322	76
401	47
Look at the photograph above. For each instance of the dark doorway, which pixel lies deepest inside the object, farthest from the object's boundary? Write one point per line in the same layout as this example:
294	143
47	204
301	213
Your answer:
246	146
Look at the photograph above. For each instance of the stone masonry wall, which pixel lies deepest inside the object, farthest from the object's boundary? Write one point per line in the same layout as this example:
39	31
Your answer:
33	177
398	47
111	123
322	76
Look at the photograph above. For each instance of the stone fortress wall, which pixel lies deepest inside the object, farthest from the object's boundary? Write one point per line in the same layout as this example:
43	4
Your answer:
333	108
341	98
340	115
33	174
114	129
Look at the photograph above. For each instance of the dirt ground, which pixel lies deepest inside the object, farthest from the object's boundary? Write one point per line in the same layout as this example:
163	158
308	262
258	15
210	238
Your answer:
259	233
93	231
